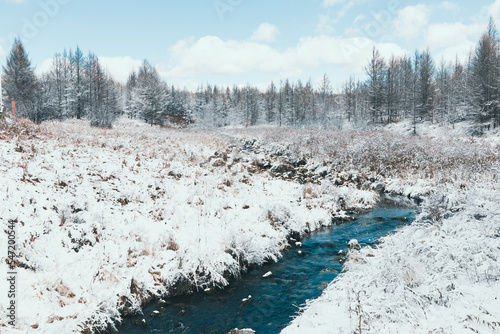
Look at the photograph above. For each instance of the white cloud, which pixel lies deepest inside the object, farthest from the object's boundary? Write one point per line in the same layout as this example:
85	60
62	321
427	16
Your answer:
411	21
325	25
494	9
327	22
449	6
453	40
444	35
214	56
2	52
120	67
266	32
460	51
387	50
331	3
357	26
16	1
45	66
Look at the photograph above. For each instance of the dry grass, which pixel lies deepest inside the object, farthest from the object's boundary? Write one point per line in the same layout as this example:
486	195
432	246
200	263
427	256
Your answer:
152	159
382	153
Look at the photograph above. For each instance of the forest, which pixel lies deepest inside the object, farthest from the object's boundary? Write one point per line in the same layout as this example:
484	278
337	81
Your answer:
408	87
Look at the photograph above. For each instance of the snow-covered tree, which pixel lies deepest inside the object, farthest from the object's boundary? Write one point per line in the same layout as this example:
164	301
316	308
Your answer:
485	75
151	95
426	71
103	106
20	83
375	71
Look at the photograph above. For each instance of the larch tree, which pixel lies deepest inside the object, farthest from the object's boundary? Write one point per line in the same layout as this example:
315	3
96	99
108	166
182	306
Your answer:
77	82
391	89
349	93
375	71
271	102
427	85
325	98
485	75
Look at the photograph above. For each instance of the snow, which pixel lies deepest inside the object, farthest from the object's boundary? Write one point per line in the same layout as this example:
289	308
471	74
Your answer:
430	277
268	274
246	300
353	244
439	275
242	331
108	218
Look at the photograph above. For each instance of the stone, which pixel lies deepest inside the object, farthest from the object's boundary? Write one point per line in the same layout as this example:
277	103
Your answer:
162	303
246	301
141	322
261	163
281	168
302	162
242	331
354	245
218	163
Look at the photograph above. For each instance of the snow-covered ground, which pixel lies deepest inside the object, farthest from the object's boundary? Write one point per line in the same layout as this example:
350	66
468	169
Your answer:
431	277
439	275
108	218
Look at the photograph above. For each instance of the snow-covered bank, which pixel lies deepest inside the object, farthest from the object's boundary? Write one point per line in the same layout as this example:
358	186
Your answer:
431	277
106	219
439	275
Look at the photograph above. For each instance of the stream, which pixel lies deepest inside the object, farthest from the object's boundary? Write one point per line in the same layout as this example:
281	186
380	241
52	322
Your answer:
275	300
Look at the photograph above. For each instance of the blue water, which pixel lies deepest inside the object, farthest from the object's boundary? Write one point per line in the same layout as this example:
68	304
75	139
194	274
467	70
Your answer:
297	278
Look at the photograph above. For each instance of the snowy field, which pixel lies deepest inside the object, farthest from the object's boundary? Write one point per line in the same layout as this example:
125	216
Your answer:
442	273
108	219
439	277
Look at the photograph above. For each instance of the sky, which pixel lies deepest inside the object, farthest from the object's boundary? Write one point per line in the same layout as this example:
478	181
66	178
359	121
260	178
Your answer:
239	42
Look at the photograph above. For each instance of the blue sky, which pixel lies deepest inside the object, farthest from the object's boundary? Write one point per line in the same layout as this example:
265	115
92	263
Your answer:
228	42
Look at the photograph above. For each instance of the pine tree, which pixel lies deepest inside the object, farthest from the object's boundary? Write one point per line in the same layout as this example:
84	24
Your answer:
131	107
151	94
20	83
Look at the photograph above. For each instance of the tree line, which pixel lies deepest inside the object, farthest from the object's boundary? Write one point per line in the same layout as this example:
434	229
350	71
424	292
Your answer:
407	87
76	86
